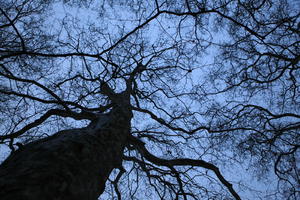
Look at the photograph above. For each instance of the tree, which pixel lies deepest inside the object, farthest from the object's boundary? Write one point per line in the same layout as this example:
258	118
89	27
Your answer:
154	99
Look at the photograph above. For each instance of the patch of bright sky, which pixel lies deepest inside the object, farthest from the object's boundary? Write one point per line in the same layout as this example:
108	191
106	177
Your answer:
128	23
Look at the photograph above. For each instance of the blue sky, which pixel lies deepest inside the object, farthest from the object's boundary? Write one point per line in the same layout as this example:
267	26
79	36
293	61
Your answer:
115	20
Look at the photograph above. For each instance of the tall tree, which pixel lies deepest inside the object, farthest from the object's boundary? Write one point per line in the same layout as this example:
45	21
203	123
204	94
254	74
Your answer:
161	99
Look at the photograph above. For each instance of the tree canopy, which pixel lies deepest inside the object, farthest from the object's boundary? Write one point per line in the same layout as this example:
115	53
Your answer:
214	89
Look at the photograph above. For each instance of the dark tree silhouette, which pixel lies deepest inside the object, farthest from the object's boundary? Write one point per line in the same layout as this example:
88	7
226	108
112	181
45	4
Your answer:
161	99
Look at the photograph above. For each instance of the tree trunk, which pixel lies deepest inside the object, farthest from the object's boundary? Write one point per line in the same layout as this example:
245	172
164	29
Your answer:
71	164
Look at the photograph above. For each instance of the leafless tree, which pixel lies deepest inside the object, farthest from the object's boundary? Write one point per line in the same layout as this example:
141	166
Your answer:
161	99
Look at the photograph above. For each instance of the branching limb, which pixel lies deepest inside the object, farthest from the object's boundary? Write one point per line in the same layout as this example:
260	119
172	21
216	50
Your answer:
12	23
184	162
115	182
56	112
192	131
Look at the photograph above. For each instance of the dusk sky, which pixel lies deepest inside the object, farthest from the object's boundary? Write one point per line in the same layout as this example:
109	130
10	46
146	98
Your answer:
207	91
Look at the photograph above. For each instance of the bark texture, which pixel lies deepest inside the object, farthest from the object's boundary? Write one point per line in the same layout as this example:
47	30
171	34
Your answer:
72	164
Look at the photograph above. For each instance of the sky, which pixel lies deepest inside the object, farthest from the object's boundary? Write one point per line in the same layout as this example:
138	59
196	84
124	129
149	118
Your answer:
235	173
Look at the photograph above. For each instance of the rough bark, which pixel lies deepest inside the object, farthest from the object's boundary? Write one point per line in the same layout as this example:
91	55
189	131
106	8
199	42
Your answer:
72	164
